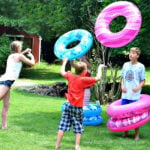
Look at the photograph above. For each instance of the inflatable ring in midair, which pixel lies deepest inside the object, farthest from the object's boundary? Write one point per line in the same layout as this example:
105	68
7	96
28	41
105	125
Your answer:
127	34
84	38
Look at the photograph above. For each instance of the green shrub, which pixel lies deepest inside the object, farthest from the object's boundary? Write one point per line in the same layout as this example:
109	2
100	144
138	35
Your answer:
146	89
4	50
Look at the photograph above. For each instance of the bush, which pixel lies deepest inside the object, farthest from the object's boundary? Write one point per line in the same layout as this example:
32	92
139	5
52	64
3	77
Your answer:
146	89
4	50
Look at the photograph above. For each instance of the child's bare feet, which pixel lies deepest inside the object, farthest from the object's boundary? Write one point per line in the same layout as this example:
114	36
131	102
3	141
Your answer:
137	137
125	134
57	148
4	128
77	147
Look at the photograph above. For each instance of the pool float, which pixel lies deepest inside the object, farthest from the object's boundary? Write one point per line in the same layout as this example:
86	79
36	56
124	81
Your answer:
91	114
92	110
127	34
92	121
130	116
86	42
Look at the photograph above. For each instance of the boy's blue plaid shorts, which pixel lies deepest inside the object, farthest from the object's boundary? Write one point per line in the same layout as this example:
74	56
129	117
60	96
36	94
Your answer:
72	116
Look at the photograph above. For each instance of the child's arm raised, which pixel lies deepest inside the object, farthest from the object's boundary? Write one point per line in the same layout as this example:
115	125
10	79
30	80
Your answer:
28	50
99	72
63	72
24	59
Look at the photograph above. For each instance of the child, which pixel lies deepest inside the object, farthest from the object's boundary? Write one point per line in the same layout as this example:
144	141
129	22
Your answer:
73	113
133	79
13	68
87	92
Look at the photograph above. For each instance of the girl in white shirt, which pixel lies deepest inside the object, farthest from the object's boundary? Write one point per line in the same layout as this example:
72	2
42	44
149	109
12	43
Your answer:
13	68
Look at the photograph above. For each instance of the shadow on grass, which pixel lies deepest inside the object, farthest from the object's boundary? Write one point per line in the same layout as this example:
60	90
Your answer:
39	74
41	122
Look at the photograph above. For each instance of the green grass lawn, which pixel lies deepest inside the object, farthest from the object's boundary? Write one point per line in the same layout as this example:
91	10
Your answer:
42	74
33	121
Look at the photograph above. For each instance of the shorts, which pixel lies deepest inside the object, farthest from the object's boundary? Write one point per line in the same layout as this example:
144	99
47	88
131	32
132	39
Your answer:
7	83
72	116
126	101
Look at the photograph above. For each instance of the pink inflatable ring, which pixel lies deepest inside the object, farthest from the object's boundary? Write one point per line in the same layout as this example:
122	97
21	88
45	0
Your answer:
126	35
130	116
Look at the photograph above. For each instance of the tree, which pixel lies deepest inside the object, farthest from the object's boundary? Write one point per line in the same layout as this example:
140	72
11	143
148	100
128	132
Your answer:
4	51
52	18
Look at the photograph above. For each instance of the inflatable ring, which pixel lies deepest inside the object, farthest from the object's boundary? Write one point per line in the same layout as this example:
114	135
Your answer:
92	121
86	41
92	110
126	35
92	116
130	116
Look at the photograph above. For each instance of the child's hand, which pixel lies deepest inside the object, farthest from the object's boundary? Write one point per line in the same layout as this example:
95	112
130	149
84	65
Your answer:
28	50
101	66
83	58
65	60
136	89
29	54
123	89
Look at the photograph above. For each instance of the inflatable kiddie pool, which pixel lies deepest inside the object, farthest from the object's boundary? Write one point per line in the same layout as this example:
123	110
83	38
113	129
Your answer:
92	115
92	110
130	116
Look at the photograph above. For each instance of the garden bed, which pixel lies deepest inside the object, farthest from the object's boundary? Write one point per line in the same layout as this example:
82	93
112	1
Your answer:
57	90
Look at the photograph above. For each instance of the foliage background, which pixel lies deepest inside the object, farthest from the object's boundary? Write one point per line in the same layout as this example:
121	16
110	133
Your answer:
4	50
52	18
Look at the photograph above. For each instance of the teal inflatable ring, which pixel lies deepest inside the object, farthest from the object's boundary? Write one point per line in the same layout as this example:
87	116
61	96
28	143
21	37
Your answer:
85	43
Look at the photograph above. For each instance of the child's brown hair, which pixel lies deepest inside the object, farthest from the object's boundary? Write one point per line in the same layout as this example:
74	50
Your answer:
136	49
80	67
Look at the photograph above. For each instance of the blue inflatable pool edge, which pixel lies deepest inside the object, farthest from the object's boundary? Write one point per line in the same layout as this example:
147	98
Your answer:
93	121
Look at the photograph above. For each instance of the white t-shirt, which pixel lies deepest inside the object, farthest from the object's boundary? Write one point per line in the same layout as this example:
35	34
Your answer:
13	69
132	75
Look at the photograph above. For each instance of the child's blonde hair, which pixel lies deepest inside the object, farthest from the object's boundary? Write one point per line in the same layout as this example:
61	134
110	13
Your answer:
15	45
136	49
80	67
